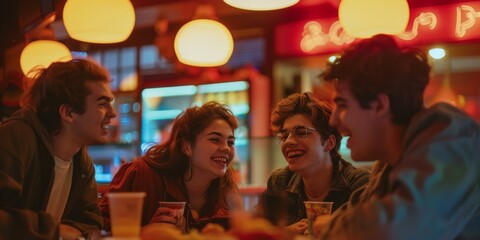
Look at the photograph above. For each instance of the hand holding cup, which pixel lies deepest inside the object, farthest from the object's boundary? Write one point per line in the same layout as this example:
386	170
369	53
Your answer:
299	227
170	212
314	210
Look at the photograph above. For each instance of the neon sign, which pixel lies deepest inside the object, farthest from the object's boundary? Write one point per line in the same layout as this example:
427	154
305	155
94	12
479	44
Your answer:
313	36
424	19
462	26
456	22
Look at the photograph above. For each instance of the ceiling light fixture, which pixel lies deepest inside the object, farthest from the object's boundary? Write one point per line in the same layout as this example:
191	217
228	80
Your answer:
204	42
99	21
42	53
261	5
363	19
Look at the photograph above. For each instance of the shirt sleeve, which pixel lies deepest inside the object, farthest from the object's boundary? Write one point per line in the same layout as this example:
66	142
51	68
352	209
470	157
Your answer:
16	152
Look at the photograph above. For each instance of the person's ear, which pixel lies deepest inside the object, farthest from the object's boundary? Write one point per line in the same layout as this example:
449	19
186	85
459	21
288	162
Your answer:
66	113
381	105
187	149
330	143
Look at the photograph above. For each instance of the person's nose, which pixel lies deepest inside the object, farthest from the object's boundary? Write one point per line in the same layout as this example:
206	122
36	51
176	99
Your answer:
290	139
224	147
111	112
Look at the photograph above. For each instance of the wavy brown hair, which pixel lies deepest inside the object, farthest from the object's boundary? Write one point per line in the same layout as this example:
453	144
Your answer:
169	159
378	65
61	83
317	111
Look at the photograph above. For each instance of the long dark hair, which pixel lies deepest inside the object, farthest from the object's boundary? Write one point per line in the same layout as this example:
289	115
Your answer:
169	158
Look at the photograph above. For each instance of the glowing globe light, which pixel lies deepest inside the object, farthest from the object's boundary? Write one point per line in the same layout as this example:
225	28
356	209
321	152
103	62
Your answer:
261	5
203	43
42	53
365	18
332	59
437	53
99	21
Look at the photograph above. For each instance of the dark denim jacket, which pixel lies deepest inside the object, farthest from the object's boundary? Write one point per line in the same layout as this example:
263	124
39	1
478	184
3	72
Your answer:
285	191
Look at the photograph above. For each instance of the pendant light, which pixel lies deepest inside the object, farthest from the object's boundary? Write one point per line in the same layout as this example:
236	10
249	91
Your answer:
261	5
365	18
99	21
42	53
204	42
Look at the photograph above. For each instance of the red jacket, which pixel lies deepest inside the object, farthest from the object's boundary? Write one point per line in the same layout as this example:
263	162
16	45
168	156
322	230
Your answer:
138	176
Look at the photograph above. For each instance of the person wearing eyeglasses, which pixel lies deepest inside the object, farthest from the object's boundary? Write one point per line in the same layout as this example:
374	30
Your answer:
316	170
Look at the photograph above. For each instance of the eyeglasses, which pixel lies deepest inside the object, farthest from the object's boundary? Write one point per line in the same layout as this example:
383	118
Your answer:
298	132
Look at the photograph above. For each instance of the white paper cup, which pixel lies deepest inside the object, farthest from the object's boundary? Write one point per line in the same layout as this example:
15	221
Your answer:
126	213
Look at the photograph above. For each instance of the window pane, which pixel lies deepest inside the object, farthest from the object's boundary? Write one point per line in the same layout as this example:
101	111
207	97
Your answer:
247	51
151	59
128	57
148	56
97	56
115	78
110	59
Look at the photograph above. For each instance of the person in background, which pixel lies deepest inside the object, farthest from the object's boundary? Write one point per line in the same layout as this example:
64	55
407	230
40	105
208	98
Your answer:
426	180
193	166
47	184
316	170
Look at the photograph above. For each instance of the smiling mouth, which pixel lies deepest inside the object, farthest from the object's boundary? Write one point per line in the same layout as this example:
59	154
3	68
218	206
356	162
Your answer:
106	127
295	154
220	160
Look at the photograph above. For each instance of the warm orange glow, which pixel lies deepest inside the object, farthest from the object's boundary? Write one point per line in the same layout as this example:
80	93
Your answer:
363	19
433	24
43	53
445	94
99	21
261	5
204	43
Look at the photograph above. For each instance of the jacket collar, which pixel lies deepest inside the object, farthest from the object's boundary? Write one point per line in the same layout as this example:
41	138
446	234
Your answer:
28	114
295	185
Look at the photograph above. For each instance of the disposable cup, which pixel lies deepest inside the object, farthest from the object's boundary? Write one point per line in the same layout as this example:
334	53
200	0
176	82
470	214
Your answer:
315	209
177	209
125	213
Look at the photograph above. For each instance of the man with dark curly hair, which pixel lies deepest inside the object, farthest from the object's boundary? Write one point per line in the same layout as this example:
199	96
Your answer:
426	181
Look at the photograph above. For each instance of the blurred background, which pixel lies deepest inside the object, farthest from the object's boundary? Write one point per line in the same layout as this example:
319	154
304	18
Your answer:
275	53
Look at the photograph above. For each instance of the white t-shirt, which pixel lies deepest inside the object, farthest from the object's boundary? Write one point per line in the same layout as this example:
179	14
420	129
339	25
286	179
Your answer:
61	188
